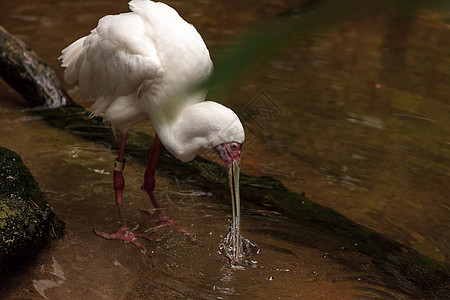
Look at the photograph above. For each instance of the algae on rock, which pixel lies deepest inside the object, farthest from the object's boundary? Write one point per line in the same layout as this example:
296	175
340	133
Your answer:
27	222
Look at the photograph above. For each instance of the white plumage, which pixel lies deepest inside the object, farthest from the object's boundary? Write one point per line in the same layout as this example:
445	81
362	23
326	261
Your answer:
143	65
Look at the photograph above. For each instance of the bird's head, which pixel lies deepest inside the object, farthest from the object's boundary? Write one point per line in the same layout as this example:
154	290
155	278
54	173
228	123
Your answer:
204	126
229	152
228	137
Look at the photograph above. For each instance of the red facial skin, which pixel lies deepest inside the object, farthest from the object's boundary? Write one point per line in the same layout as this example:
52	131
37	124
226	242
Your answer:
229	152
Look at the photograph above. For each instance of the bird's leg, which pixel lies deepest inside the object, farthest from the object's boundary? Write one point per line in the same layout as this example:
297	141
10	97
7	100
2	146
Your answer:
150	172
149	187
123	233
119	165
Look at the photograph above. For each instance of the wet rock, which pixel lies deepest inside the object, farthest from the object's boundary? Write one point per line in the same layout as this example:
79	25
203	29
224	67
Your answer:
27	222
21	68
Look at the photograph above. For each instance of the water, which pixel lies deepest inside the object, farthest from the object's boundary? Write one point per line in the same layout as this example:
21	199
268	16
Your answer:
356	116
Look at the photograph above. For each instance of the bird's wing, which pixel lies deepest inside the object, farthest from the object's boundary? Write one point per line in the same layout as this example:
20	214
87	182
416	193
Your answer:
183	55
114	60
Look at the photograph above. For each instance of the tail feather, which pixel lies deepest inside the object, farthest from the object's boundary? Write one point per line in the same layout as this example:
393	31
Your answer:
71	52
69	57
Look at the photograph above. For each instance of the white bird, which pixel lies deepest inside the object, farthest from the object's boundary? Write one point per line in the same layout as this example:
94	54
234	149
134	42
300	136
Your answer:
144	65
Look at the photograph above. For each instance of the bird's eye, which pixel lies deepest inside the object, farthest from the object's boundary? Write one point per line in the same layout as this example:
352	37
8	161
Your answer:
233	147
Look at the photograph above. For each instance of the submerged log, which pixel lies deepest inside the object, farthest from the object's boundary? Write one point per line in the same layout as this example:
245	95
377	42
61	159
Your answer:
21	68
27	222
423	277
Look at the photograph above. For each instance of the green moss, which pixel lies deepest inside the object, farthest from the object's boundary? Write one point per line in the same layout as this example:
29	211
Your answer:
27	222
5	211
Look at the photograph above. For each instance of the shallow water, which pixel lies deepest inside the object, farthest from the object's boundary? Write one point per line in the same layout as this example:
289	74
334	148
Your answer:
74	175
356	116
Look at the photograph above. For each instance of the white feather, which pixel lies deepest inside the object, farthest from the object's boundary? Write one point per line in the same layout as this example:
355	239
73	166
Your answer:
142	65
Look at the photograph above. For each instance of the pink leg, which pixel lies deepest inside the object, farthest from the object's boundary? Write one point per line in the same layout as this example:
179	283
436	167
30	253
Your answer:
149	187
150	171
119	182
123	233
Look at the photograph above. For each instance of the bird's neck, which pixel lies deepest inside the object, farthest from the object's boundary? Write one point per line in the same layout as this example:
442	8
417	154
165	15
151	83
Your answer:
175	124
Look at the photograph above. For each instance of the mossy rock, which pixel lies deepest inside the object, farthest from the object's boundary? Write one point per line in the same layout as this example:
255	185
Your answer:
27	222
